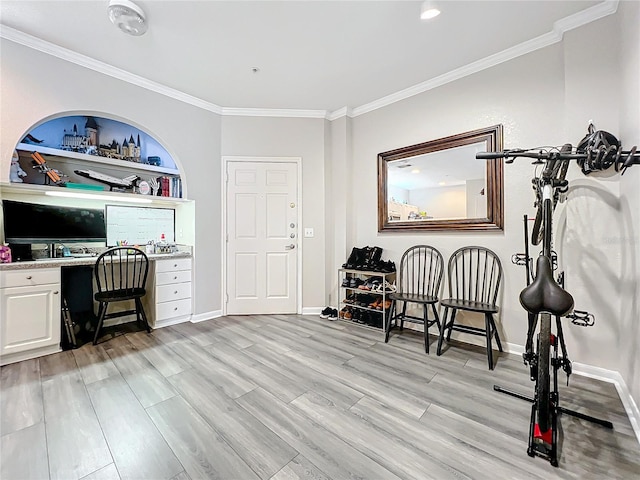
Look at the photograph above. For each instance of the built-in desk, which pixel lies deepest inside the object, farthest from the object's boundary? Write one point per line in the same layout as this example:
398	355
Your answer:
30	301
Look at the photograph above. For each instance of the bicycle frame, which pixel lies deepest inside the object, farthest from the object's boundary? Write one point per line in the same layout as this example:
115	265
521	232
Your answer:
544	295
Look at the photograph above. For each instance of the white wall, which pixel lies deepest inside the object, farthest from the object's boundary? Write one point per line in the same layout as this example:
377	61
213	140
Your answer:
543	98
36	86
291	137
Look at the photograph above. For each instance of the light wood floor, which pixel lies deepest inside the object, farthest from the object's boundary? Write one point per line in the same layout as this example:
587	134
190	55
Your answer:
290	397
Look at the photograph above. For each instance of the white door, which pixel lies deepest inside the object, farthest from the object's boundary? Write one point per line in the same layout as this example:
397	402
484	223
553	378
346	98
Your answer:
262	237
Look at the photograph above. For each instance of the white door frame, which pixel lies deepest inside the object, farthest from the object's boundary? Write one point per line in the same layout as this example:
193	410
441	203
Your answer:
300	230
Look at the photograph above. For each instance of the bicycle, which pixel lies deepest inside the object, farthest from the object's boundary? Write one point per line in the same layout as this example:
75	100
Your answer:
545	296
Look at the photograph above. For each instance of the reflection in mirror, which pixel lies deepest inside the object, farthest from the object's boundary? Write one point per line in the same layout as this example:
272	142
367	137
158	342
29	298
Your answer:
448	184
440	184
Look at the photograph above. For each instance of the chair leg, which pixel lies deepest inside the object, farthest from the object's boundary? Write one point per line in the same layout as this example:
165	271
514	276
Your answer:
425	309
487	322
443	327
387	323
453	319
404	312
436	316
102	311
141	312
495	330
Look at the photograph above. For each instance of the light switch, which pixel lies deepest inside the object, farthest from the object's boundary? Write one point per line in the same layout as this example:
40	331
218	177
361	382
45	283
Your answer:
308	232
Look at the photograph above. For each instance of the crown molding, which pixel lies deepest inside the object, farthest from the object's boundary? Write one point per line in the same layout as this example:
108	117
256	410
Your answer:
563	25
273	112
49	48
341	112
607	7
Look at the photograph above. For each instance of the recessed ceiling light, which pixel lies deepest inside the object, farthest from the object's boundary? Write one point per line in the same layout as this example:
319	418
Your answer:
415	170
442	184
127	16
429	10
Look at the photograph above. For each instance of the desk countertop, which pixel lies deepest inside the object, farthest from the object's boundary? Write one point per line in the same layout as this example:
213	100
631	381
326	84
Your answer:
79	261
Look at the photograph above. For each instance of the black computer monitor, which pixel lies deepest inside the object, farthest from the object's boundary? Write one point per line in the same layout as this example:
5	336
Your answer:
27	223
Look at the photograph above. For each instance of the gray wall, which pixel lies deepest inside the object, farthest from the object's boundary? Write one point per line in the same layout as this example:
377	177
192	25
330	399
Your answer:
291	137
36	86
544	98
629	290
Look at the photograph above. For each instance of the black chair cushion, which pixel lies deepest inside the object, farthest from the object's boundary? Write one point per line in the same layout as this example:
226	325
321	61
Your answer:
469	305
412	297
118	295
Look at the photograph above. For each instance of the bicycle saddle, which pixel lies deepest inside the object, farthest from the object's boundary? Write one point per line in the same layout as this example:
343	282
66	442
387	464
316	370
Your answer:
544	294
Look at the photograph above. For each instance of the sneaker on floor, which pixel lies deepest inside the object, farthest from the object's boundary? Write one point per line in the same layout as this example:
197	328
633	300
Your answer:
333	315
326	312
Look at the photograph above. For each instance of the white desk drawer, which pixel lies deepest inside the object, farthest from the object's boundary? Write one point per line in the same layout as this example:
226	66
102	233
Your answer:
173	265
30	277
177	308
165	278
176	291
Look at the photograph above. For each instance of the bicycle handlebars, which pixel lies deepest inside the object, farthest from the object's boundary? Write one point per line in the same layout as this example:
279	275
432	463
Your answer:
621	158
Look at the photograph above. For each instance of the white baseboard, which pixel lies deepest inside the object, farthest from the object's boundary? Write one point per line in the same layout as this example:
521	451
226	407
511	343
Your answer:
513	348
201	317
312	310
610	376
172	321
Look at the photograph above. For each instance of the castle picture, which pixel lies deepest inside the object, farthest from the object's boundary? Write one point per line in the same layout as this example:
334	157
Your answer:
88	143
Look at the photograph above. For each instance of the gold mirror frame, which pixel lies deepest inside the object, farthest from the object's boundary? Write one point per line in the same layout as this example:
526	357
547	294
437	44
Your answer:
494	220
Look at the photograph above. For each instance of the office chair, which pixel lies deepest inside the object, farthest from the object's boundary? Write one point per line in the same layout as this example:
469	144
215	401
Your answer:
121	275
474	281
420	274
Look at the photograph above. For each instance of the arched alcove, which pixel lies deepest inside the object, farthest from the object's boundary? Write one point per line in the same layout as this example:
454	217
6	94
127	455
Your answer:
97	153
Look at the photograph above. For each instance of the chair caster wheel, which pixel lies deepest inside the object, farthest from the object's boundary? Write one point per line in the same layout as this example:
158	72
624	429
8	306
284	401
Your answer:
531	452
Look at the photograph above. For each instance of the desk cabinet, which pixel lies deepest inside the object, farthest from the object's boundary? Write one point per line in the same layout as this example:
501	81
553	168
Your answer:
29	313
170	299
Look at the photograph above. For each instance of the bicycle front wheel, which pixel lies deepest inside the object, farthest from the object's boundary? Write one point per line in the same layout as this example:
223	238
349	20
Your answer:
537	234
542	398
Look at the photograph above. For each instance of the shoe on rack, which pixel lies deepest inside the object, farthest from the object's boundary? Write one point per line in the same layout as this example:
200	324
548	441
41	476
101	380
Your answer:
346	281
333	315
326	312
376	303
348	314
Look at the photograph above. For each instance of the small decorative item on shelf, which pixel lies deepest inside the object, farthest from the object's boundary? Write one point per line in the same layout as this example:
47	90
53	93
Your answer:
5	254
113	182
154	160
51	175
16	171
155	186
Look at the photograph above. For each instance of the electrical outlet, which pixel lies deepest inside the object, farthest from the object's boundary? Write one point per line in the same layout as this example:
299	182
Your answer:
308	232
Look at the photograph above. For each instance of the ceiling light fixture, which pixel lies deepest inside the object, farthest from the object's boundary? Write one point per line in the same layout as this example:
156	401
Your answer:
127	16
429	10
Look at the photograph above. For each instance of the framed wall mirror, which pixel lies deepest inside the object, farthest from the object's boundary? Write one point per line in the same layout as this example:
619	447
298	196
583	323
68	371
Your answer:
440	185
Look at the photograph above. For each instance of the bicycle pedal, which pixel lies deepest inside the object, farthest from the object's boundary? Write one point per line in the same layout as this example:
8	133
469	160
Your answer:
519	259
582	318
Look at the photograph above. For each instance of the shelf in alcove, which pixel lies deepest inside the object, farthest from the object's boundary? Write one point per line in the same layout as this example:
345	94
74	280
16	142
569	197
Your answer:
31	189
62	154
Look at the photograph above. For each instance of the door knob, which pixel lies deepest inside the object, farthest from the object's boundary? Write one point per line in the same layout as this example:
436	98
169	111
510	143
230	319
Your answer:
290	247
